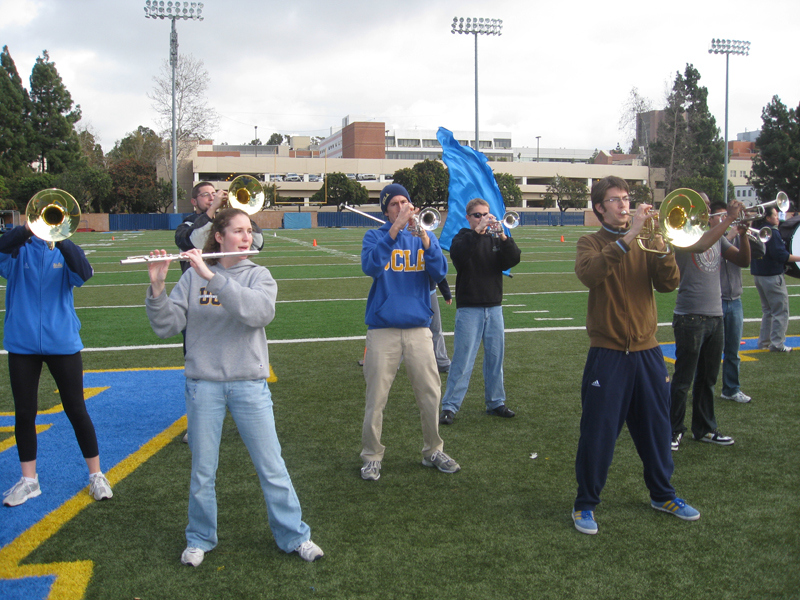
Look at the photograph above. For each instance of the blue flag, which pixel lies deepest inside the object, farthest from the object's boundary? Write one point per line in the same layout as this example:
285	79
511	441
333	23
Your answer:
470	177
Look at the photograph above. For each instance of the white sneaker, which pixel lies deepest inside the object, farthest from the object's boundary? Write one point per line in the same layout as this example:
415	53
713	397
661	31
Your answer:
309	551
22	491
371	471
192	557
441	461
99	488
739	396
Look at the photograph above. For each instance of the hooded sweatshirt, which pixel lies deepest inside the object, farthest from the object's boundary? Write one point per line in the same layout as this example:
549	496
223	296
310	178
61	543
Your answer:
224	319
401	270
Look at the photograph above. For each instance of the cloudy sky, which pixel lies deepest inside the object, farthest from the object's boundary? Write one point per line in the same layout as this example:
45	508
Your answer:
560	70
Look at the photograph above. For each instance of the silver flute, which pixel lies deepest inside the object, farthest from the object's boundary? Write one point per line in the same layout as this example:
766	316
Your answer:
132	260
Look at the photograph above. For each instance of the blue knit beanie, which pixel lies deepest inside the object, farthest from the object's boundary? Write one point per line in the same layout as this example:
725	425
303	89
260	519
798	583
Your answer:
389	192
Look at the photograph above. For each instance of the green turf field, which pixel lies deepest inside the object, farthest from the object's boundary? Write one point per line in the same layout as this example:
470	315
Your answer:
501	527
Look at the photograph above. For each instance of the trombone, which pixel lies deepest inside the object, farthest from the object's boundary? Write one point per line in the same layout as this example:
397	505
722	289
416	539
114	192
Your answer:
53	215
426	220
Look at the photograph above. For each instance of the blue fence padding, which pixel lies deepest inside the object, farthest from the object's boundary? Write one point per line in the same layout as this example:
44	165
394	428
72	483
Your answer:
136	222
551	218
176	219
347	219
297	221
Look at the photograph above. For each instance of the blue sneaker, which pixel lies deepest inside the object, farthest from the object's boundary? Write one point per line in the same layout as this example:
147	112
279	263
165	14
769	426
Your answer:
677	507
584	521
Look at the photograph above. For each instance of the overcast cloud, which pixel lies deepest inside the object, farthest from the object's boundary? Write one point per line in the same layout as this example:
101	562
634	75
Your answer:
560	70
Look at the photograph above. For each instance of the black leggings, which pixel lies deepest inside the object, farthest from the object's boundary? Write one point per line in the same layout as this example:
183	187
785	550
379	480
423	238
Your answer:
67	370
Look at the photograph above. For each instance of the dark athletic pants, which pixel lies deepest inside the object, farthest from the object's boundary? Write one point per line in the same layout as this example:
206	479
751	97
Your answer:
621	388
67	370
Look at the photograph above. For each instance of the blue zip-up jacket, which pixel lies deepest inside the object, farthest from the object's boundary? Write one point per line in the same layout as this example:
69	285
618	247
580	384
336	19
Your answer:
40	311
401	270
774	259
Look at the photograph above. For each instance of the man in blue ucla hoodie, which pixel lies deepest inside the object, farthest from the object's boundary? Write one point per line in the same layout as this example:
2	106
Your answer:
401	265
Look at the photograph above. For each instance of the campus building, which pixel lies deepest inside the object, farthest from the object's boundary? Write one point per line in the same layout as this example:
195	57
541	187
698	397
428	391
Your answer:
370	153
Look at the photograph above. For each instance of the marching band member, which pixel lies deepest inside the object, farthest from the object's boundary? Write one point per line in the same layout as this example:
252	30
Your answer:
398	316
41	327
224	306
625	379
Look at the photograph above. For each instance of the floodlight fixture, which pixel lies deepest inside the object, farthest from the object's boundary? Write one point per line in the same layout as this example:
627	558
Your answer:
728	47
476	27
158	9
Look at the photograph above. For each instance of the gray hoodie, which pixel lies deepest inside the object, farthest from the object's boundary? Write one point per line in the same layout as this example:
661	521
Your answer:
224	321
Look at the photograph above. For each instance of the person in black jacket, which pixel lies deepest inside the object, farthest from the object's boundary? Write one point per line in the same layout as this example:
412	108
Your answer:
192	233
480	257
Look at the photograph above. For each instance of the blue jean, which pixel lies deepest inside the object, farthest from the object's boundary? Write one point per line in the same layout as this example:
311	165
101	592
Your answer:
732	318
473	325
698	352
250	403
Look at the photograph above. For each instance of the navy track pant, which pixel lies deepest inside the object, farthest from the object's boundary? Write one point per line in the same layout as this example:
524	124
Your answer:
619	388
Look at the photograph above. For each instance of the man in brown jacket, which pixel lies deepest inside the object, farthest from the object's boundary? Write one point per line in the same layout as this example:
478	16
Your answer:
625	379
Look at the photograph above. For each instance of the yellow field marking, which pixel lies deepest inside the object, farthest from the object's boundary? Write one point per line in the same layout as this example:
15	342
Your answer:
72	578
744	356
87	393
12	441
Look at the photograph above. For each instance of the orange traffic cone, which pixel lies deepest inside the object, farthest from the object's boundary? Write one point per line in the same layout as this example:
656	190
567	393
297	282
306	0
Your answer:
315	242
562	238
112	238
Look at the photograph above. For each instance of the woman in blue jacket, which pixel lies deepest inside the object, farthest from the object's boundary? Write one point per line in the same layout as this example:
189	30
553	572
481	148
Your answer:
41	327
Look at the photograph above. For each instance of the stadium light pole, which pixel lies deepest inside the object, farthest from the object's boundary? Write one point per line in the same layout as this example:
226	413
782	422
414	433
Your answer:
538	137
728	47
158	9
477	27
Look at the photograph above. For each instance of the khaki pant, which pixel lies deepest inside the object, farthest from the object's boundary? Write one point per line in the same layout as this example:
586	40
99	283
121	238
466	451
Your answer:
385	349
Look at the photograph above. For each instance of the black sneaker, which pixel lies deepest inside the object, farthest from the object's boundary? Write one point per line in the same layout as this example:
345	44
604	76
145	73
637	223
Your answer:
447	417
715	437
676	441
501	411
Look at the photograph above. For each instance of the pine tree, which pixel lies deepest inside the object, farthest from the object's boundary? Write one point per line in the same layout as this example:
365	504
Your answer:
15	130
689	144
776	167
53	117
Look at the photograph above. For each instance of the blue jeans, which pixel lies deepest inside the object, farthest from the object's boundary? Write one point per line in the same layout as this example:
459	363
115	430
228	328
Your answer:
250	403
732	318
473	325
698	352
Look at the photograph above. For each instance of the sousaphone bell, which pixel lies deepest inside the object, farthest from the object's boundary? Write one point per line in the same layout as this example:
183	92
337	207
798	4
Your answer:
247	194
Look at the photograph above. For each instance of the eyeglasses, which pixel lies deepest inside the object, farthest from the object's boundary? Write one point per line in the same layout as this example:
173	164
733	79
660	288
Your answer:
205	195
478	215
618	199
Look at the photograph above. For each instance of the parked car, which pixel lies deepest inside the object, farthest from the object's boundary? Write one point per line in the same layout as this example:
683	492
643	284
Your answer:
351	176
276	177
292	177
367	177
314	178
388	177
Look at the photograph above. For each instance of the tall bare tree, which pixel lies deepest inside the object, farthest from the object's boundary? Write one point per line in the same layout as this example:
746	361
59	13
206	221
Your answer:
195	119
634	106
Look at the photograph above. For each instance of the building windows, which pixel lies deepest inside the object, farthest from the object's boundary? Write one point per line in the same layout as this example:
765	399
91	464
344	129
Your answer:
390	141
408	143
502	143
733	173
431	144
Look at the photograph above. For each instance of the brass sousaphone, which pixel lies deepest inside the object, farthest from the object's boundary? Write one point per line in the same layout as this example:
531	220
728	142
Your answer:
53	215
681	221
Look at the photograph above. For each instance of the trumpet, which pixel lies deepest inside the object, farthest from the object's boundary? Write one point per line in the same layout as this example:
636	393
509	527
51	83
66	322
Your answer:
133	260
762	235
427	220
758	211
53	215
509	220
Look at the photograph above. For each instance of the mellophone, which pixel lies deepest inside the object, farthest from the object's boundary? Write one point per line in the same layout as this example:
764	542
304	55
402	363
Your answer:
132	260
